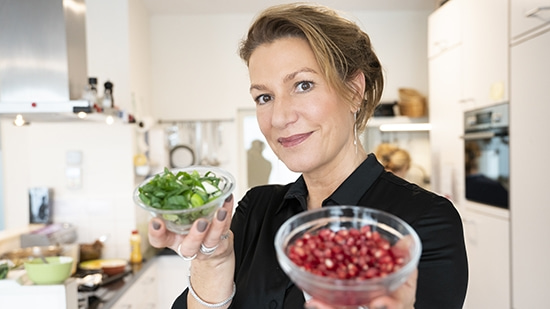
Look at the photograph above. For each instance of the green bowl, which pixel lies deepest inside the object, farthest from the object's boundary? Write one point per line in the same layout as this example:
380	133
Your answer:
56	271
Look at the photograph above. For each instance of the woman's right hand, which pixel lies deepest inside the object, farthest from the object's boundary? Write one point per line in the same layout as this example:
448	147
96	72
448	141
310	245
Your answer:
209	234
209	247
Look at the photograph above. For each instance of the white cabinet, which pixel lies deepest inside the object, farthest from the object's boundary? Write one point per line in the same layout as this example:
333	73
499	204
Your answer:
485	52
143	294
528	17
445	117
487	236
173	274
488	246
444	30
161	283
529	153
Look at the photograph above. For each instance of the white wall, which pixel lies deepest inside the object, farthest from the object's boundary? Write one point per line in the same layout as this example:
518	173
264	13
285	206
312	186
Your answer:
36	157
197	73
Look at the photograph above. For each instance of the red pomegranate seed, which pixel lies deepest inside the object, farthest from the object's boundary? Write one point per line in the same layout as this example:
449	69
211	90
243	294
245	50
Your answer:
346	254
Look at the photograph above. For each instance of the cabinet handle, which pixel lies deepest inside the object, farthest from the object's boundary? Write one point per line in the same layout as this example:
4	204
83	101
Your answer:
535	11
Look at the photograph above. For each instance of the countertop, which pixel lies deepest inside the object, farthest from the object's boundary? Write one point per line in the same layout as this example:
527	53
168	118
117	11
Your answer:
107	295
18	288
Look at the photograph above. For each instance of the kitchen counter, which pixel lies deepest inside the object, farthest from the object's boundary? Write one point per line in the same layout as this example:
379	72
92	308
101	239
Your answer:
107	295
16	289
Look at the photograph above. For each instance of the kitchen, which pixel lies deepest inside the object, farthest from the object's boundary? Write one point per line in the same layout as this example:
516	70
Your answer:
150	64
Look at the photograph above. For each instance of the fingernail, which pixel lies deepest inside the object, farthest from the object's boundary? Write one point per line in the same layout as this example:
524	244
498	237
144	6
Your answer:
201	225
222	213
229	198
156	225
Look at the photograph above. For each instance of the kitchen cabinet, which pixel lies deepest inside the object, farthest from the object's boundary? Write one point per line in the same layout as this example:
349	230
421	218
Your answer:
444	29
528	18
486	234
445	117
172	272
485	52
529	153
143	294
488	247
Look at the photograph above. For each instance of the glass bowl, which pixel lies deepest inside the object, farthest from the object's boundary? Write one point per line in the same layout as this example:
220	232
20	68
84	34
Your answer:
180	220
353	292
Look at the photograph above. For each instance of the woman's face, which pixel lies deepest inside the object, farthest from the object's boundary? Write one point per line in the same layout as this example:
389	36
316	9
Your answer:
306	123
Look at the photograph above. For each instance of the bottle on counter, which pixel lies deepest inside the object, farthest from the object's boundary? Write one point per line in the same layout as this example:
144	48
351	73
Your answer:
108	101
90	94
135	243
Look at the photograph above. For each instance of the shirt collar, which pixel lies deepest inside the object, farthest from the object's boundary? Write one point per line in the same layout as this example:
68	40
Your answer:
348	193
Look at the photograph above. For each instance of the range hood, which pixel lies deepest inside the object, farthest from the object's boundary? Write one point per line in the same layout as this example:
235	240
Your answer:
43	66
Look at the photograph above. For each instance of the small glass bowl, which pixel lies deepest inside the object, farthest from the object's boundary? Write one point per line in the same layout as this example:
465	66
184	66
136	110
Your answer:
180	220
347	293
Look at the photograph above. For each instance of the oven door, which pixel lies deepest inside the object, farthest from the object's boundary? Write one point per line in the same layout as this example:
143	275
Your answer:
487	167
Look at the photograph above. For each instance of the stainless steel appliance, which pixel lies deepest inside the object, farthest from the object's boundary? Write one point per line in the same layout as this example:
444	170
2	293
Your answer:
43	67
487	155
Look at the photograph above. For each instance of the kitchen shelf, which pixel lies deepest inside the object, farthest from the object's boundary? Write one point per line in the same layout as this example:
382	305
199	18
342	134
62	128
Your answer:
377	121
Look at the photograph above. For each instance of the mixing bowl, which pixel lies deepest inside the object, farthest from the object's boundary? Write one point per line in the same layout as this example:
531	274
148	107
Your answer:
178	219
56	271
342	291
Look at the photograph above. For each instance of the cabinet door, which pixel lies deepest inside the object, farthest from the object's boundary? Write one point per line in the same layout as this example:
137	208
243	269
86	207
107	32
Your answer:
446	119
444	31
529	170
488	246
143	294
528	17
173	274
485	50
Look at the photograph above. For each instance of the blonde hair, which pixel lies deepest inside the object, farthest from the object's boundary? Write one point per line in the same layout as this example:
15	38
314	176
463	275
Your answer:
393	158
341	49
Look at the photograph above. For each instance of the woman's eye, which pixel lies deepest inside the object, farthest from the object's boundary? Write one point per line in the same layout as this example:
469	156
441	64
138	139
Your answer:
262	99
304	86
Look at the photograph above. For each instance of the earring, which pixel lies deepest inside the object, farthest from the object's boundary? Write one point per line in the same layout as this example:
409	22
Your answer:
355	131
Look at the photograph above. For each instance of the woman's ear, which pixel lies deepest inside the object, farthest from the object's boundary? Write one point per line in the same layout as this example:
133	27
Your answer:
357	82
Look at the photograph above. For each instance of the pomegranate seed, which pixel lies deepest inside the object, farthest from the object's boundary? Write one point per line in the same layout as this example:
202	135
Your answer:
346	254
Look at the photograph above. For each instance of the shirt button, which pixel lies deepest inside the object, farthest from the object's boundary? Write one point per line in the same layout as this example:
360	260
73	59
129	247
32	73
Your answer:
273	304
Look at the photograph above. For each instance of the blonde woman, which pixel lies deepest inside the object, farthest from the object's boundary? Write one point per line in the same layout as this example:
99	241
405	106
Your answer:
315	80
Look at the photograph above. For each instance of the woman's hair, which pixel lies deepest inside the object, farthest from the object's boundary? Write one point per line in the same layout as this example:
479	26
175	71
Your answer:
340	47
392	157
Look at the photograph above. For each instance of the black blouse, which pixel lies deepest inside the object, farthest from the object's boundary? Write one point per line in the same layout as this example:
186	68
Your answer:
261	283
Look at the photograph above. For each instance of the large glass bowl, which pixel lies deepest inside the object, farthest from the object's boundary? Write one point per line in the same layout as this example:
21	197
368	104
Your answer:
347	293
180	220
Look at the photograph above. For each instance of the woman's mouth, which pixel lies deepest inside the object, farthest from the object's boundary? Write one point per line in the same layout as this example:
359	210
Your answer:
293	140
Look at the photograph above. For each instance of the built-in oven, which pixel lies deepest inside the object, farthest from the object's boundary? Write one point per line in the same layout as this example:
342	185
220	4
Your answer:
487	155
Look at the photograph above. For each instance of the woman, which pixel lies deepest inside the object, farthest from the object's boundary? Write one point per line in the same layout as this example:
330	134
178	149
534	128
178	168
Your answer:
316	81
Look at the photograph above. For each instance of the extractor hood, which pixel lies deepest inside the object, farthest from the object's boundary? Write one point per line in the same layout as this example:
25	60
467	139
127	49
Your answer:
43	66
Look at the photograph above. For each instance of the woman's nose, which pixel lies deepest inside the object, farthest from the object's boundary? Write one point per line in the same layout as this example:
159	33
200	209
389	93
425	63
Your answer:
283	112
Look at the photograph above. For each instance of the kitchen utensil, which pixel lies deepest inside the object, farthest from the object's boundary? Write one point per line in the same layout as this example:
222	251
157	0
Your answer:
19	256
108	266
56	271
43	259
93	251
